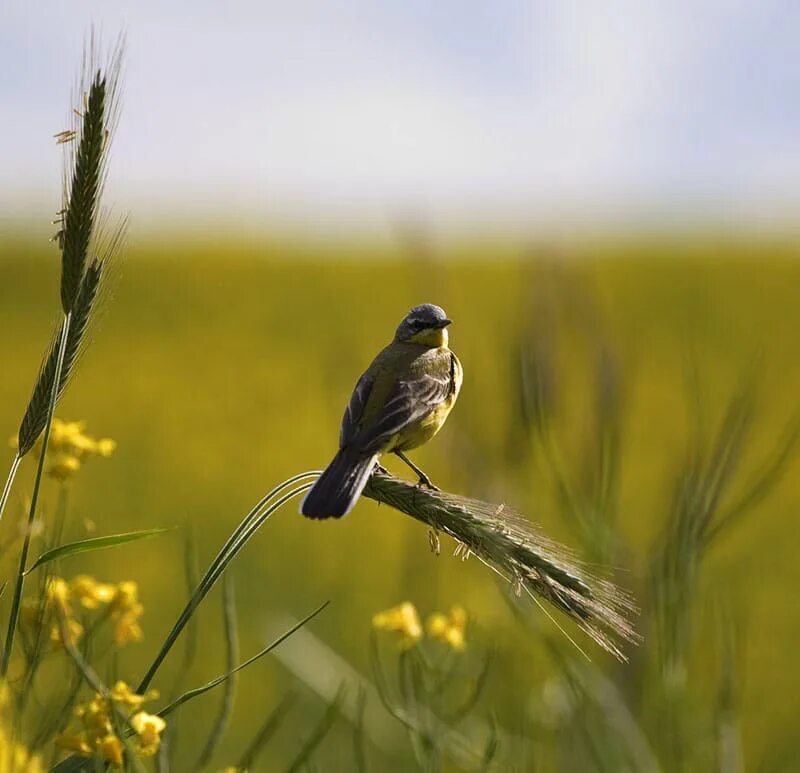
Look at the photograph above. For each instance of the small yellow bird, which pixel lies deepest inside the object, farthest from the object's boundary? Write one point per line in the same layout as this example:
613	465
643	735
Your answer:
401	402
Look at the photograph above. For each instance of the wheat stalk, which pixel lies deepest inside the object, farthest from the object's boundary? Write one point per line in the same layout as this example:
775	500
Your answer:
33	422
87	144
506	541
80	284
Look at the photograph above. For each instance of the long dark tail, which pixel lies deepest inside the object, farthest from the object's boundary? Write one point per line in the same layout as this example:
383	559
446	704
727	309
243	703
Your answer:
339	487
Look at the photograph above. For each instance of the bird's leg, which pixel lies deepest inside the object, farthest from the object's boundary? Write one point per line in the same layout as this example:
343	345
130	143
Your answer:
424	480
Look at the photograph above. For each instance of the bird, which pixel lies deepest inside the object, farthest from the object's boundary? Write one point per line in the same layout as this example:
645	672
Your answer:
400	402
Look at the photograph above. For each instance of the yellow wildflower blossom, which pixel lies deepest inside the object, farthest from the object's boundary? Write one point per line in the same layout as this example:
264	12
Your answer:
126	597
73	628
91	593
57	594
449	628
105	447
403	618
68	447
111	749
122	693
73	743
96	737
126	610
95	715
64	466
63	435
148	727
14	757
127	628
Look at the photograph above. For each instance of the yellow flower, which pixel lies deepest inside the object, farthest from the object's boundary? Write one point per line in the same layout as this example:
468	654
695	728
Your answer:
83	446
74	743
449	628
91	593
122	693
127	628
64	466
126	596
68	447
111	749
74	631
97	738
14	757
57	594
402	618
63	435
149	728
95	716
126	610
106	447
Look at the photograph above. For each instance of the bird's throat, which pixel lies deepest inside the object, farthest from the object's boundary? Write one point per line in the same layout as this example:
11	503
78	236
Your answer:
432	338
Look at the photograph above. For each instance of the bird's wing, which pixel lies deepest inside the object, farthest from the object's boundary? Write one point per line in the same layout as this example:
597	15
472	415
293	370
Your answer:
354	411
408	402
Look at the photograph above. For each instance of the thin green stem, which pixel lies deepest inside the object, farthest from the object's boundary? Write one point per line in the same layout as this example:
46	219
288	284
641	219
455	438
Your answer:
12	473
248	526
23	556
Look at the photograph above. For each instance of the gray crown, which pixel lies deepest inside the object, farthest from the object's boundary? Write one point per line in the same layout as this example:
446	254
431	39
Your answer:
423	317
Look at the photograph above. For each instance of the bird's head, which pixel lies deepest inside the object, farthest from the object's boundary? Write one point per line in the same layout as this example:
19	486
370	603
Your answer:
425	325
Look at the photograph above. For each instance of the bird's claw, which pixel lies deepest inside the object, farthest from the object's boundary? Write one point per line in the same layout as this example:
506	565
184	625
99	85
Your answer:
425	481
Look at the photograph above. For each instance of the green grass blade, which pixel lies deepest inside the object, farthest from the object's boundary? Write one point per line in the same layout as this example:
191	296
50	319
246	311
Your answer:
74	764
12	473
238	539
232	650
197	691
318	734
93	543
191	576
266	731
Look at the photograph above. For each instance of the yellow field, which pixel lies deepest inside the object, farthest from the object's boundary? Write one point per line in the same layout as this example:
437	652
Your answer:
222	370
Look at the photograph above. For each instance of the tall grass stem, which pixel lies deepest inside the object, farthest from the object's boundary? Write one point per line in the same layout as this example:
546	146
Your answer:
238	539
12	473
37	484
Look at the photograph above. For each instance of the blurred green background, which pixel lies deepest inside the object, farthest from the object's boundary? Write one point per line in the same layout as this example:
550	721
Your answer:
222	368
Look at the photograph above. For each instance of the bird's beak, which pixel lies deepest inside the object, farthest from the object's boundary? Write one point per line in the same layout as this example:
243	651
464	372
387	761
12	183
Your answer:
444	323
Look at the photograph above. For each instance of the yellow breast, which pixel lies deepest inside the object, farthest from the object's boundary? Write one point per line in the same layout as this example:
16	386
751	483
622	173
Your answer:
422	431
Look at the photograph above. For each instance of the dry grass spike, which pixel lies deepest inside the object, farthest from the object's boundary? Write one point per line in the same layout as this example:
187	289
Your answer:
507	543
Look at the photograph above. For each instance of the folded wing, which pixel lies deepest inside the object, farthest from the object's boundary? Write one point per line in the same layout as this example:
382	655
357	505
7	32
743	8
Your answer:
409	401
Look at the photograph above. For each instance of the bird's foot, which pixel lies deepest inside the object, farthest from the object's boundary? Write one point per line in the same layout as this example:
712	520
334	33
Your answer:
425	481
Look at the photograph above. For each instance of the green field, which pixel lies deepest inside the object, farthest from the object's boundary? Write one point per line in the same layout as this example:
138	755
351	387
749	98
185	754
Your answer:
222	369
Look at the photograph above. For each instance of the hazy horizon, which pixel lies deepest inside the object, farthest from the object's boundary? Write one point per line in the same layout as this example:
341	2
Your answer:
455	115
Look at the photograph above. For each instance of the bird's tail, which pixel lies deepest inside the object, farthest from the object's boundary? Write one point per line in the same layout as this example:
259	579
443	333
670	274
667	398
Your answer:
339	487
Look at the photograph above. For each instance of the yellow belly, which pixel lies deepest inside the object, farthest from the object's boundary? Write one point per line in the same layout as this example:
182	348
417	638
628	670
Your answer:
422	431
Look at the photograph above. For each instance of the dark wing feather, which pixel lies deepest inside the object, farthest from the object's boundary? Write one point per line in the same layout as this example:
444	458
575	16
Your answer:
354	411
408	402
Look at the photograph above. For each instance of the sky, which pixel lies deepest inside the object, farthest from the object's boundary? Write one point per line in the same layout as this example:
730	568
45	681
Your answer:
320	114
